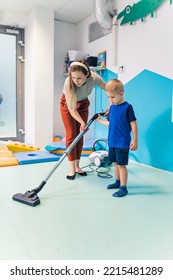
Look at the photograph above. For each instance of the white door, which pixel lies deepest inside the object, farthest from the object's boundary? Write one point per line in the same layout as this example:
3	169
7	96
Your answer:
11	84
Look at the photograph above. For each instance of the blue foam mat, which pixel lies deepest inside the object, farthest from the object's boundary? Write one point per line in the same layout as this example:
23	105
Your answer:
35	157
62	146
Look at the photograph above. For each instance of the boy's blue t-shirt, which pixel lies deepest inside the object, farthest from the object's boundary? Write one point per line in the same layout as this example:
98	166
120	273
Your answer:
120	116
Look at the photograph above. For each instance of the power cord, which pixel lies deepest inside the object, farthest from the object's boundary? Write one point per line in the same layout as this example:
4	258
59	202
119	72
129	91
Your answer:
103	174
101	171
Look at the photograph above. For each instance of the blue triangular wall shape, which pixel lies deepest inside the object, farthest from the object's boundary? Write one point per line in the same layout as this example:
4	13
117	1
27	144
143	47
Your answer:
151	96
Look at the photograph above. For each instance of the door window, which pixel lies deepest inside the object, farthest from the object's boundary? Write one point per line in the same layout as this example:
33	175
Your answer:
11	81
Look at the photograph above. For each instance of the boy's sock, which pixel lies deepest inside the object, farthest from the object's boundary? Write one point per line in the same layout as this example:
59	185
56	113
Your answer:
122	192
115	185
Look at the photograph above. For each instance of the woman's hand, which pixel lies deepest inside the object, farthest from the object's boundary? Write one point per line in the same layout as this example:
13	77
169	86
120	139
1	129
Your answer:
82	126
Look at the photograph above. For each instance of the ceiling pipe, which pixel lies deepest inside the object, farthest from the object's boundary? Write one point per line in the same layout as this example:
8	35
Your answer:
110	8
106	17
101	13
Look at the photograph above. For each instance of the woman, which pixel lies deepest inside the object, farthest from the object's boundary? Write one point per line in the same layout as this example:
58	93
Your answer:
74	107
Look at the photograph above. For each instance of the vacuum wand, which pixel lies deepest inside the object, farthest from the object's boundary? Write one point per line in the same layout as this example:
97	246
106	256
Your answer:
30	197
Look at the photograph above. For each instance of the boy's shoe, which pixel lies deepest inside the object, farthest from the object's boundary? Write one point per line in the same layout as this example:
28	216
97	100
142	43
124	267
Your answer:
122	192
113	186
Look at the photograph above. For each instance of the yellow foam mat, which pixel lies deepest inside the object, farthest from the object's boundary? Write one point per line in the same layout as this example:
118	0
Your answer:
3	148
5	161
16	147
6	157
6	154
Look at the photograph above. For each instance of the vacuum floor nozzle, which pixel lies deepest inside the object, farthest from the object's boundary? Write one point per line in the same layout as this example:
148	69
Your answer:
30	198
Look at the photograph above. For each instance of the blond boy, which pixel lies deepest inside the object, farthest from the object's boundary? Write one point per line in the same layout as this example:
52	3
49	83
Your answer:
121	122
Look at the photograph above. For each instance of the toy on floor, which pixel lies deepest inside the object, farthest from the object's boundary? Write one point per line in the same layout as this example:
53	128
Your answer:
15	153
6	157
58	148
57	138
20	147
35	157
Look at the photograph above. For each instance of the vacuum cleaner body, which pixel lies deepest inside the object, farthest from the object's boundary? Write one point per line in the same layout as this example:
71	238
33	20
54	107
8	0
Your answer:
30	197
99	158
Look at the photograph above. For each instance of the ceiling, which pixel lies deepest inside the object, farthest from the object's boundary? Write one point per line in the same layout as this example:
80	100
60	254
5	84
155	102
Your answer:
72	11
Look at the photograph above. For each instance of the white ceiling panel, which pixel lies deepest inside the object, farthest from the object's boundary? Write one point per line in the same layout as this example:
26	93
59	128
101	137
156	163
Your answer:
72	11
15	5
55	4
68	16
78	6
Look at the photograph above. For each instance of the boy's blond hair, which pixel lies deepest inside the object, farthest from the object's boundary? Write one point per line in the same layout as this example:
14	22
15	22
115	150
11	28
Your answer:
114	85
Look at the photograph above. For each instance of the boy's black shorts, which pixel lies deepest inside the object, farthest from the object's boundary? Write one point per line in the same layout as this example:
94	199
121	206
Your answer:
120	156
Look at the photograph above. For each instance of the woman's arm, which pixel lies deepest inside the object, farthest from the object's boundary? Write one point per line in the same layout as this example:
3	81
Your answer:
74	113
102	85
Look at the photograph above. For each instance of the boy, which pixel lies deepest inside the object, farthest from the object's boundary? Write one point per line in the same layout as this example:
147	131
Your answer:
121	121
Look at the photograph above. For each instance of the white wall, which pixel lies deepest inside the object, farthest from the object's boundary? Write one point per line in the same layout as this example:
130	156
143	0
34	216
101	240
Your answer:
141	46
93	48
146	45
64	40
39	73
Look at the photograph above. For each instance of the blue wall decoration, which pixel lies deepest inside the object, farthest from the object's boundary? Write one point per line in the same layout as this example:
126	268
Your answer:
102	103
151	96
139	11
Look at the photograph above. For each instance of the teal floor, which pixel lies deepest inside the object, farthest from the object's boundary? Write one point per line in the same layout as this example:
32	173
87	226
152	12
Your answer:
81	220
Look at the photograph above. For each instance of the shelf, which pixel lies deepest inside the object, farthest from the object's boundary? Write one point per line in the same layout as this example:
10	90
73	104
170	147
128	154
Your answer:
95	68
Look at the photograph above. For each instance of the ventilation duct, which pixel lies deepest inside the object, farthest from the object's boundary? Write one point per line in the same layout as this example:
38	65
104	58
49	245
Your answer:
104	13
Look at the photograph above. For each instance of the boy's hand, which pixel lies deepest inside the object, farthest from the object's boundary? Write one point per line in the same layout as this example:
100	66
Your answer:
106	112
98	118
133	145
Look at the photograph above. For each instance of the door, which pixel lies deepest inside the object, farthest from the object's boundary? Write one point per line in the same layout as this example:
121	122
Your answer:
11	83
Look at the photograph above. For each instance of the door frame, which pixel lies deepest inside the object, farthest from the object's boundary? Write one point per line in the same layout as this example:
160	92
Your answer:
19	33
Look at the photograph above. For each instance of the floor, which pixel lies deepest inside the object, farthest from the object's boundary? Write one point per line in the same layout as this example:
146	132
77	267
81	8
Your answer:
81	220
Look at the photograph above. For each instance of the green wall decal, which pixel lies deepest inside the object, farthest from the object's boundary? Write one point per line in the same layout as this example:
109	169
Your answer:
139	10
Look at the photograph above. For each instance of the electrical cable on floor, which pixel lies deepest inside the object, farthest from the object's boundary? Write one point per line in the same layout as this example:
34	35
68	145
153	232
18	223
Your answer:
89	166
101	171
103	174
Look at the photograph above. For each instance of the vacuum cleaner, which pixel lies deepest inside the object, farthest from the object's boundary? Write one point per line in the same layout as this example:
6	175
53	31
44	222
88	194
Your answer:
99	157
30	197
